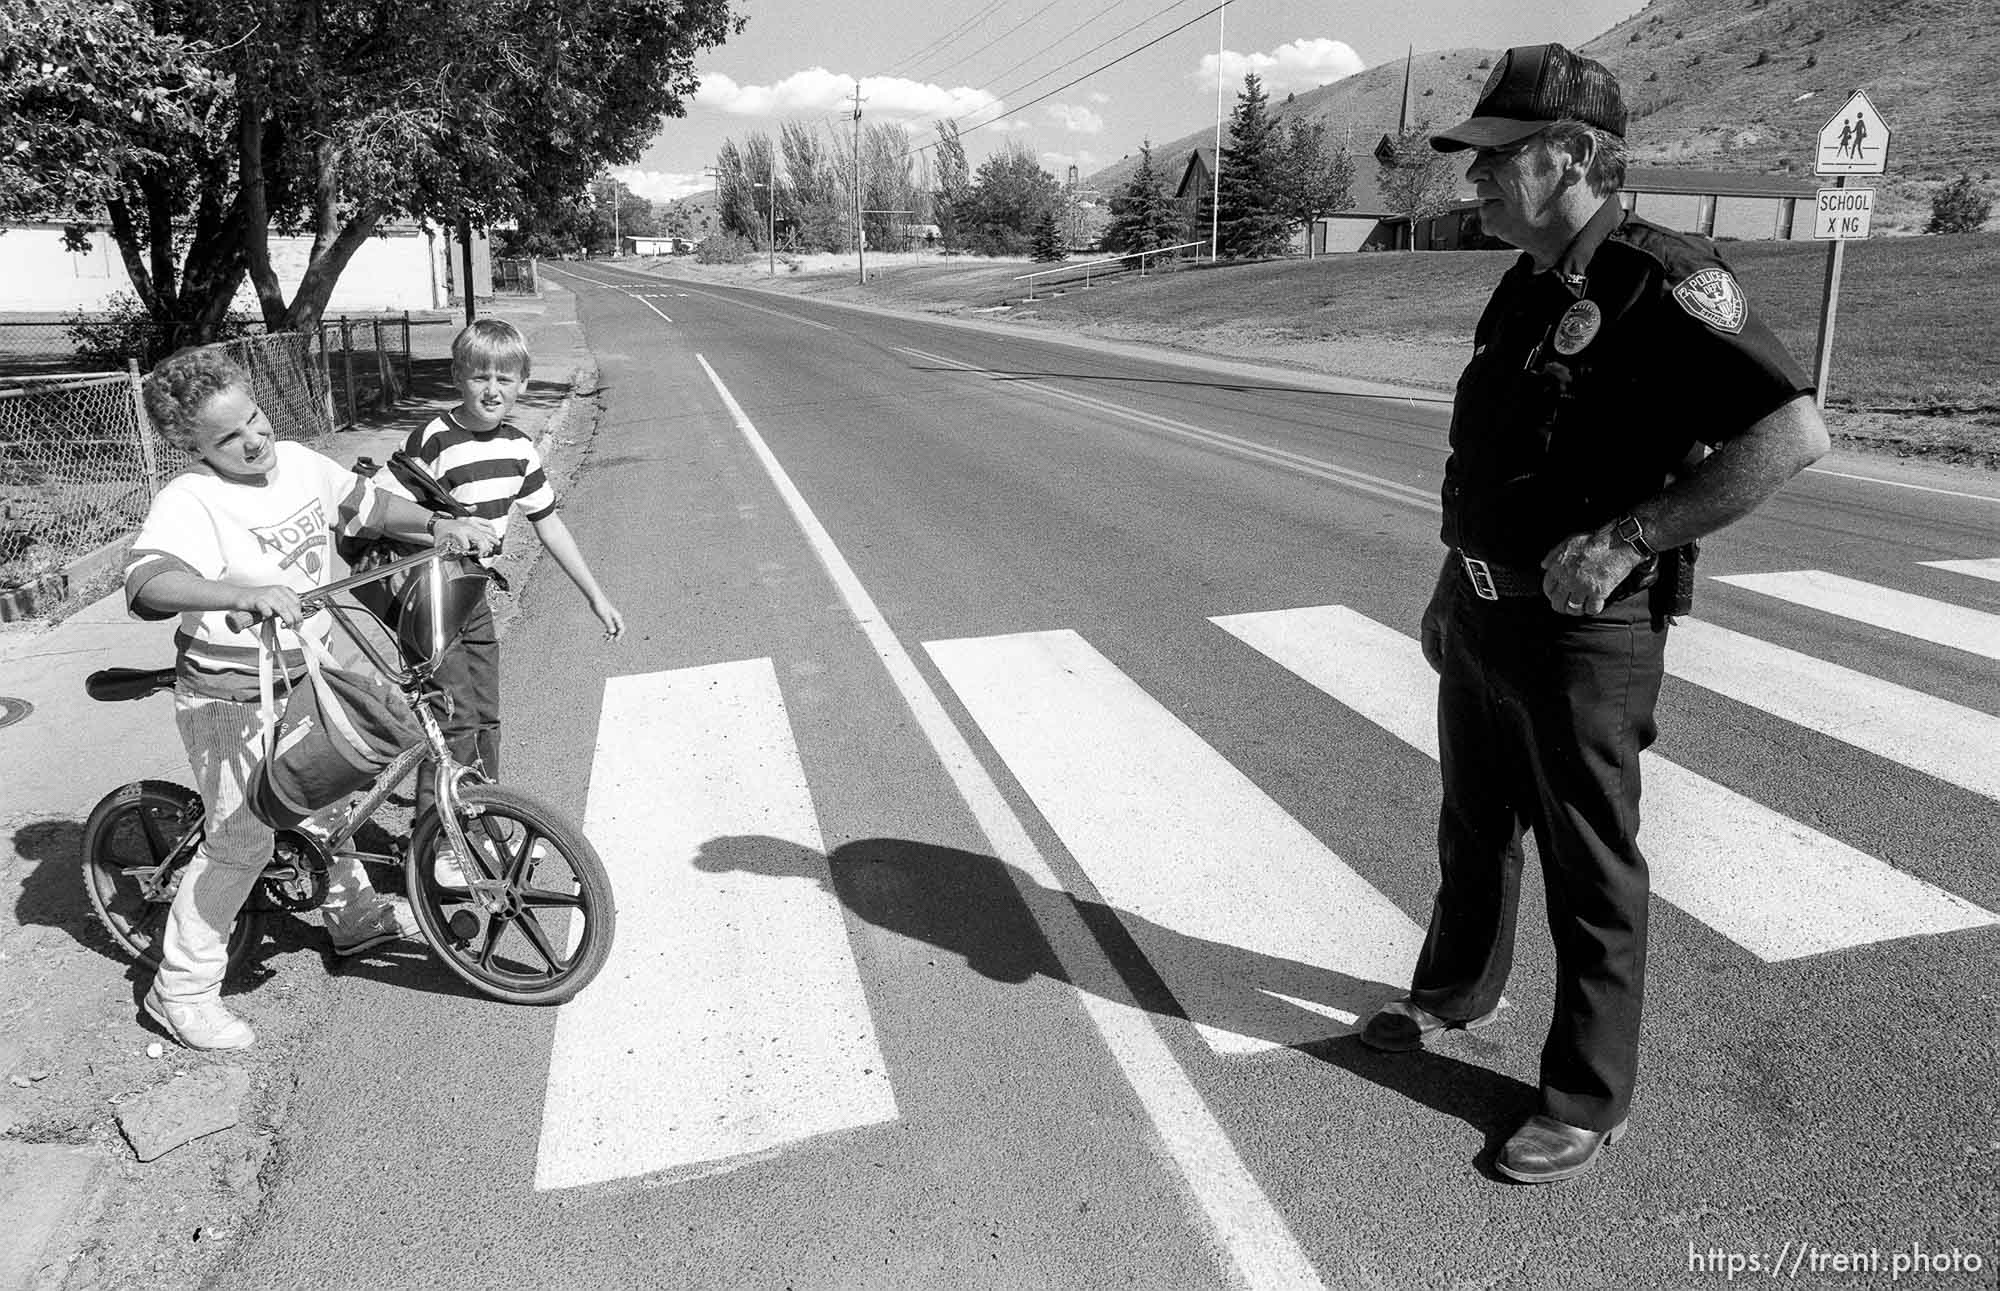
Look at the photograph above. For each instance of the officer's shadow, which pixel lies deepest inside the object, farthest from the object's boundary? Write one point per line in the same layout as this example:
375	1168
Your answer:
988	913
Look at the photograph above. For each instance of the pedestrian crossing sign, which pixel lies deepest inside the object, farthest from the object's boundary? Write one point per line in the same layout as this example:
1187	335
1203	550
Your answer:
1854	141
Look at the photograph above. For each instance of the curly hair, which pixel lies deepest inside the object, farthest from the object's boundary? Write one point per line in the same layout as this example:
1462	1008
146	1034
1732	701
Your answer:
182	383
491	343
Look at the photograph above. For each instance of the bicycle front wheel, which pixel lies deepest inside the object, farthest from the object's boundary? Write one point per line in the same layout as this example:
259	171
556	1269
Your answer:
131	832
554	926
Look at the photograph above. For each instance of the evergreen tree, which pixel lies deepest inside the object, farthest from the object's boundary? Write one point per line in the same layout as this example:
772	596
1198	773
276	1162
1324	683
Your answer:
1049	241
1249	221
1959	207
1142	215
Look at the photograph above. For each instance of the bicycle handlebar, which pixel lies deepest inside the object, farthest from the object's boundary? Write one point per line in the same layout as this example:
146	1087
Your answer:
241	620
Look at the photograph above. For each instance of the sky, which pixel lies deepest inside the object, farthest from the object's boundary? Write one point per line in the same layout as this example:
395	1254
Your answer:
1074	90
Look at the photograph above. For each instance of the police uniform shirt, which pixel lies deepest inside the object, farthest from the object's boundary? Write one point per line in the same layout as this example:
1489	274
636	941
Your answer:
1592	383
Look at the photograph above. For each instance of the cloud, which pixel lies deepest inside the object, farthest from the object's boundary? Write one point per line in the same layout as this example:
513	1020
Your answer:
1099	97
1076	120
663	185
817	90
1297	65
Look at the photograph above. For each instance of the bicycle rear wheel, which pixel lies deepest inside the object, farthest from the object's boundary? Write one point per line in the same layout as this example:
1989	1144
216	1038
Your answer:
557	917
131	832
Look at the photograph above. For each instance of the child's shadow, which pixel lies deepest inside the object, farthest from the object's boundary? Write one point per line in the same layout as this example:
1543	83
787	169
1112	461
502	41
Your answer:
991	915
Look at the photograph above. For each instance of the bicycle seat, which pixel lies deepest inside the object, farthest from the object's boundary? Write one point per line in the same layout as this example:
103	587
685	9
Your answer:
110	684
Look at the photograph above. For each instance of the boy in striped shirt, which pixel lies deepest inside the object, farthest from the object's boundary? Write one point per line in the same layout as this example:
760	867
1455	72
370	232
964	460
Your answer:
490	466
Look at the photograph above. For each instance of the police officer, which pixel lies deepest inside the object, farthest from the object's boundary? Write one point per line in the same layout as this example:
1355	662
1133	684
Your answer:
1611	359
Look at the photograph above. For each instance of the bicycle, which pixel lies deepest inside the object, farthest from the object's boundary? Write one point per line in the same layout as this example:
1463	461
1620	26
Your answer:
532	917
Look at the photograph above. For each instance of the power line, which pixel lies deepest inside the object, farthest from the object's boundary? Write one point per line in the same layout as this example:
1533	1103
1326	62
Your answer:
1071	32
1087	75
940	42
939	71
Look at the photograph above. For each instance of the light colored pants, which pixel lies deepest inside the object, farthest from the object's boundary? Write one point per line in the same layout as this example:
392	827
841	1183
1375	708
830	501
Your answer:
224	745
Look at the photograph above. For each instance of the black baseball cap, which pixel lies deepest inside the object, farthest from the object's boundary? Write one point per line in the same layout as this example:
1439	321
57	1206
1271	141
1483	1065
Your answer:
1531	86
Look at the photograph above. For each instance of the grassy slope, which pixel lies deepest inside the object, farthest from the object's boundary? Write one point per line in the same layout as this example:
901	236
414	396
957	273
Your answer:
1699	97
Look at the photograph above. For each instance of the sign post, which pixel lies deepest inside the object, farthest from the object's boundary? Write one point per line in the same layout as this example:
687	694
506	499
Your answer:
1854	141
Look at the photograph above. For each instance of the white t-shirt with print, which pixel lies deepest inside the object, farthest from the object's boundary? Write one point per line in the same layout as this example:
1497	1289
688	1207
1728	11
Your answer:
278	531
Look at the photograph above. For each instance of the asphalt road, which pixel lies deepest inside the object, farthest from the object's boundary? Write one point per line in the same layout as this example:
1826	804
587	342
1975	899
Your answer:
1070	800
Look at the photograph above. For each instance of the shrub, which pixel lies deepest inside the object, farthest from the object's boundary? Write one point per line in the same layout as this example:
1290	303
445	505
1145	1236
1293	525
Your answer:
722	247
123	330
1959	207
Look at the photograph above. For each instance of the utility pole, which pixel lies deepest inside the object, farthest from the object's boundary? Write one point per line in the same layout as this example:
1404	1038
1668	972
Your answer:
1215	193
465	261
860	230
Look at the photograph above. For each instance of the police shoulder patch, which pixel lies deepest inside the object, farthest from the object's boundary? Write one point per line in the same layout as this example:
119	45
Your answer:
1712	296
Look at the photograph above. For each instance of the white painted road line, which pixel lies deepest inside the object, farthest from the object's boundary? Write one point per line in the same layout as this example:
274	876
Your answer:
1264	936
1259	1247
1394	490
1988	569
730	1018
1954	743
1883	607
1772	885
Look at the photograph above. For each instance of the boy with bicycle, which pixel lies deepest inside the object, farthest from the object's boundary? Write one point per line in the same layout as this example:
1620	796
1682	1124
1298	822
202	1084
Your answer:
248	528
490	466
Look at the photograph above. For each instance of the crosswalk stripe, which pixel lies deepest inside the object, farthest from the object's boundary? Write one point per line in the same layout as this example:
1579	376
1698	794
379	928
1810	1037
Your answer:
1942	739
730	1018
1264	936
1774	886
1987	568
1883	607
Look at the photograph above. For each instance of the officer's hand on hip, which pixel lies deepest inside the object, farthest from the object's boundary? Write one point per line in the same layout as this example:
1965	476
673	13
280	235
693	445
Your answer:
1583	569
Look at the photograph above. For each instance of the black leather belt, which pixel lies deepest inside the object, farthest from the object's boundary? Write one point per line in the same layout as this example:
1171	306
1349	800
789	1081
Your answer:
1492	581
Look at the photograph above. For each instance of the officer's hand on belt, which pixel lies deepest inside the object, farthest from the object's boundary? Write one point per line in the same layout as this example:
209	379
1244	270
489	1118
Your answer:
1582	570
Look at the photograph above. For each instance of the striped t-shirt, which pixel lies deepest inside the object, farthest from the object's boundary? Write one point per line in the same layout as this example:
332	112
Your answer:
278	532
489	471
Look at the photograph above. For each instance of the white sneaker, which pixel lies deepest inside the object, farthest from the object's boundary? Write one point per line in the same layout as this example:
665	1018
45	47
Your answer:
445	871
366	924
199	1024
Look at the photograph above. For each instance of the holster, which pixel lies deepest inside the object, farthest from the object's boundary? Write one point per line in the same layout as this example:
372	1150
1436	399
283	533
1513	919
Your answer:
1673	593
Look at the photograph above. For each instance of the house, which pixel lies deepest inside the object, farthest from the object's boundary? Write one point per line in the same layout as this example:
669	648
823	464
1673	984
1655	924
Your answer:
1714	203
404	266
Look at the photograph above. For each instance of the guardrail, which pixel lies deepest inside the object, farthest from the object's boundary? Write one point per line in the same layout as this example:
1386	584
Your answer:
1087	265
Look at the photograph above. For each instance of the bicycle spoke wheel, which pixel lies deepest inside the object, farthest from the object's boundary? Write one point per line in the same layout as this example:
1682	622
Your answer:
132	832
556	918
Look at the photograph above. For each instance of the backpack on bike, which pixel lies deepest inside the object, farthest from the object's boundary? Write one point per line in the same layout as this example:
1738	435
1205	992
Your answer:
339	729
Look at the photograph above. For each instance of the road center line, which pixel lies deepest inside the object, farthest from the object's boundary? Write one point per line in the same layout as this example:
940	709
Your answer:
1260	1246
1394	490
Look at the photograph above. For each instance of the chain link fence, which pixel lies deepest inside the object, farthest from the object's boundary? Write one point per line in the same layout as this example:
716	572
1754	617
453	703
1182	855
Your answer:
80	461
78	468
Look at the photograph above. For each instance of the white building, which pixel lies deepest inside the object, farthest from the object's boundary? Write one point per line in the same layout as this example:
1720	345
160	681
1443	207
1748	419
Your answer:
402	267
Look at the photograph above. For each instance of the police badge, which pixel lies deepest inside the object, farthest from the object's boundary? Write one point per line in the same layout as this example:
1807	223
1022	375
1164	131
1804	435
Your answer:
1578	327
1713	297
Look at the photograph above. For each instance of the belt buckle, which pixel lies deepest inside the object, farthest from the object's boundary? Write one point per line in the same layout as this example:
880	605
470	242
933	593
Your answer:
1481	576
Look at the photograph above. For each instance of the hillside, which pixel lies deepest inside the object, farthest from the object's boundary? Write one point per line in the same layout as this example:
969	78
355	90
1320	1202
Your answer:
1732	85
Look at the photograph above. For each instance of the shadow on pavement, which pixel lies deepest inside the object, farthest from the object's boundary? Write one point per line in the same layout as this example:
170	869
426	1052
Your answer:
990	914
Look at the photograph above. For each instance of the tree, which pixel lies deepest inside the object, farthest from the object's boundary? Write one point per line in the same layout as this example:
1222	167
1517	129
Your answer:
1311	180
1142	215
954	184
1418	181
1248	221
1009	193
334	116
1050	245
1959	207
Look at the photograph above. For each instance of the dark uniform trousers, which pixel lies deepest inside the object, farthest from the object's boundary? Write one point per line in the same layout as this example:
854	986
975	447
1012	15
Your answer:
470	674
1541	720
